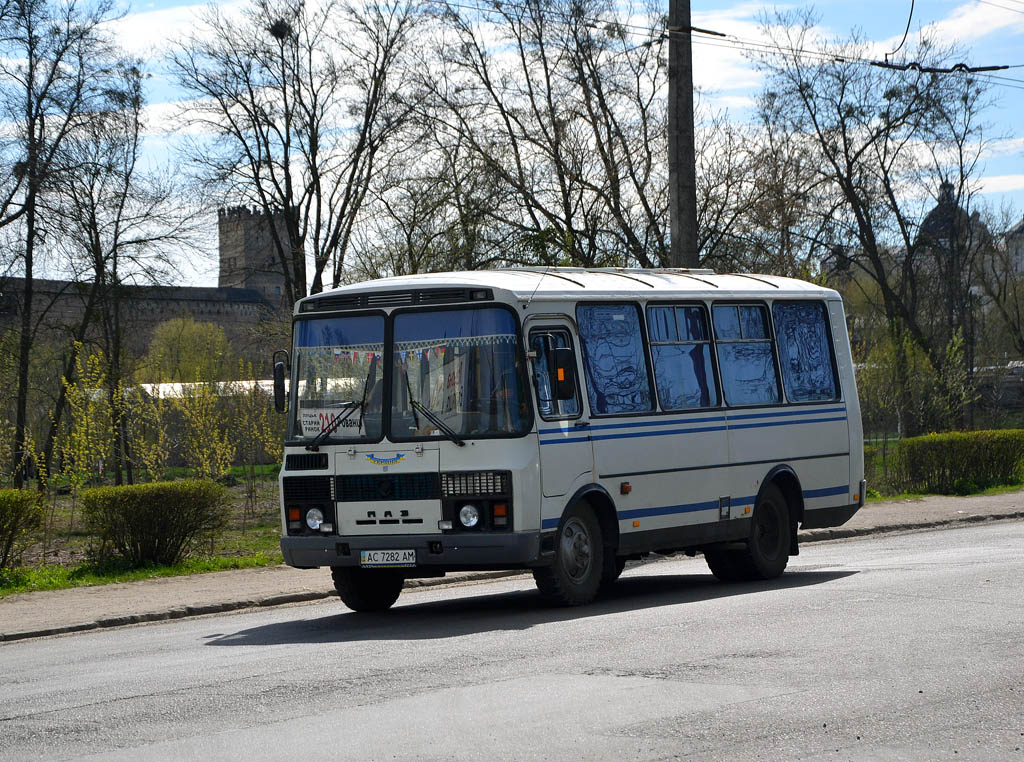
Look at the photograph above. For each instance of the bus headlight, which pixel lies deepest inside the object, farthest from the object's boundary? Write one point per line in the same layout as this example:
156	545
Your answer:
314	518
469	516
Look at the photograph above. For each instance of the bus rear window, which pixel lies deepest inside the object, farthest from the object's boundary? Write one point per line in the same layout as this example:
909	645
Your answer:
805	351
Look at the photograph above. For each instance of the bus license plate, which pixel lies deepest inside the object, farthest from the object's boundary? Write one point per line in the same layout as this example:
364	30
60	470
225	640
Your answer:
387	558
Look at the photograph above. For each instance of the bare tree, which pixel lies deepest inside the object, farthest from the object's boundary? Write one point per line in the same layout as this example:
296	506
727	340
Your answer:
296	104
883	138
525	88
564	103
1002	282
120	226
53	74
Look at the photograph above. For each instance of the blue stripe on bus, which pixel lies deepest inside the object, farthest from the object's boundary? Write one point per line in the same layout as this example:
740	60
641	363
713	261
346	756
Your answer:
668	510
713	419
708	505
843	489
658	433
693	430
786	423
638	424
804	411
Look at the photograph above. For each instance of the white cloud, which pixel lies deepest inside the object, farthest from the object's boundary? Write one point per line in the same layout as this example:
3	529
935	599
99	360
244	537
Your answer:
1002	183
147	34
171	118
1006	147
718	65
965	24
976	20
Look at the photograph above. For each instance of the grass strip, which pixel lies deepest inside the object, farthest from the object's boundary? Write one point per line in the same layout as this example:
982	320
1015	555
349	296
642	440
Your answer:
29	579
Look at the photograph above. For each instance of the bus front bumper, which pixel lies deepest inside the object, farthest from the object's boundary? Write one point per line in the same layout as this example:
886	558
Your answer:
436	553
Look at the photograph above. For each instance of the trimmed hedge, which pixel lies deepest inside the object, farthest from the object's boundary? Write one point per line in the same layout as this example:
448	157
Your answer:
158	523
957	462
20	510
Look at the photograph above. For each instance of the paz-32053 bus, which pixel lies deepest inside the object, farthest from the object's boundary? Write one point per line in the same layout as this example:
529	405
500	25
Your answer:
564	421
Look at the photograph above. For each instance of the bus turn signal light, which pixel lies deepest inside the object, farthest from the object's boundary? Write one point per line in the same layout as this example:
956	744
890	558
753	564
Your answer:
294	514
500	513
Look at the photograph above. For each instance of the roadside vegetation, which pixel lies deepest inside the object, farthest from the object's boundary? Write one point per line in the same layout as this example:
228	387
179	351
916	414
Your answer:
60	546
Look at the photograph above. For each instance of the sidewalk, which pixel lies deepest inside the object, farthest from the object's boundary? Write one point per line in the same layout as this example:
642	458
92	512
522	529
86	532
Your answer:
85	608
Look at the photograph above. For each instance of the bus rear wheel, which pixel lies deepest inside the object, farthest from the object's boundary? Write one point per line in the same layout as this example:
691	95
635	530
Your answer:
367	590
767	552
575	576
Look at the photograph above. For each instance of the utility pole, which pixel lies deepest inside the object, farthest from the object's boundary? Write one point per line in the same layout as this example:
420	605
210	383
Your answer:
682	166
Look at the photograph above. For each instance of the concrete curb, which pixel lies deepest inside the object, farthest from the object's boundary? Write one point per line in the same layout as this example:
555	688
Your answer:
811	535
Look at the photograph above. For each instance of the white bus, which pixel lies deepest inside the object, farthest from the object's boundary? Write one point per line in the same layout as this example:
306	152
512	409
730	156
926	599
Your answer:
564	421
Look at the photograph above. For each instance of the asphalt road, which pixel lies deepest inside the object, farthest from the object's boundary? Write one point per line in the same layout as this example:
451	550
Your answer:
902	647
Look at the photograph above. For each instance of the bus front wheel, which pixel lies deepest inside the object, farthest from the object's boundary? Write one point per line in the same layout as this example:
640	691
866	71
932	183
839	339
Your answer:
575	576
366	590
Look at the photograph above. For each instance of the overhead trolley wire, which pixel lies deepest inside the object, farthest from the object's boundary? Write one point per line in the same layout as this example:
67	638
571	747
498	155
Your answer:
711	38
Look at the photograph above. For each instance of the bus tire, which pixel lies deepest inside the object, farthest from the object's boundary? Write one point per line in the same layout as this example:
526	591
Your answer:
366	590
613	566
725	565
767	550
575	576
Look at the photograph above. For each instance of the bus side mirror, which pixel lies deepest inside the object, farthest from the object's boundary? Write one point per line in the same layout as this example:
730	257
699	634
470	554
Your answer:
564	375
279	398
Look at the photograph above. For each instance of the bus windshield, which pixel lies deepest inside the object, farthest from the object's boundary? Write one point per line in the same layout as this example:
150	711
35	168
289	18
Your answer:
457	373
338	373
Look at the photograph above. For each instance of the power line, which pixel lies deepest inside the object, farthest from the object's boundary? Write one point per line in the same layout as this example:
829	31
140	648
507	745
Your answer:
721	40
905	32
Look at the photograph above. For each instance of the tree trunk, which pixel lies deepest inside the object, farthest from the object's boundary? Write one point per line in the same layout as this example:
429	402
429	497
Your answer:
21	455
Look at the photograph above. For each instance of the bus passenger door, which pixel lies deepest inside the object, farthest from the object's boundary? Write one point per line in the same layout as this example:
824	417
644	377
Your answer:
565	448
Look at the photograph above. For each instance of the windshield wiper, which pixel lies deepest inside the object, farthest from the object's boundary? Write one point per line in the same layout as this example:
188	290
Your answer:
331	427
431	416
314	446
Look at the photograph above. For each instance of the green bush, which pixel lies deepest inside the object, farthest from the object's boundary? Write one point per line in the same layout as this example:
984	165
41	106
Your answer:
872	459
157	523
957	462
20	510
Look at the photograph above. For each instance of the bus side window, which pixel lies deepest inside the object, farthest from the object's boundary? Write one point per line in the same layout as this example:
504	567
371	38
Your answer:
805	351
681	348
614	362
745	357
543	343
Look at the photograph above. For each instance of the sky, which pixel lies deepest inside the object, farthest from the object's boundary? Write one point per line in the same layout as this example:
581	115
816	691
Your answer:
989	32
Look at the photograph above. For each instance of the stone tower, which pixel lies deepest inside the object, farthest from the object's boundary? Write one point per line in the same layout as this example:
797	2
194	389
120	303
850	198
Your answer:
248	258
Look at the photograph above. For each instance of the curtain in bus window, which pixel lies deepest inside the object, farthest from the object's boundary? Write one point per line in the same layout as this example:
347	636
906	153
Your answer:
748	373
805	352
337	368
683	375
463	366
745	355
682	357
613	358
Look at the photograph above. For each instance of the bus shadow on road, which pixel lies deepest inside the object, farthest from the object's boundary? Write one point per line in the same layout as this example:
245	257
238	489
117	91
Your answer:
518	610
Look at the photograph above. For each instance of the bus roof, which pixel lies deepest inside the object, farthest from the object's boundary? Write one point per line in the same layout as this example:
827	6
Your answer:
552	283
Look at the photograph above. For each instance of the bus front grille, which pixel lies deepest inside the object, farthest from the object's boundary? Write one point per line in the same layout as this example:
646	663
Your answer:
373	487
304	489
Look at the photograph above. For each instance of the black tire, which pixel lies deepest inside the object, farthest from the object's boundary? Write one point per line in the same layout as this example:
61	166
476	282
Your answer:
367	590
767	551
613	566
725	564
575	576
768	547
